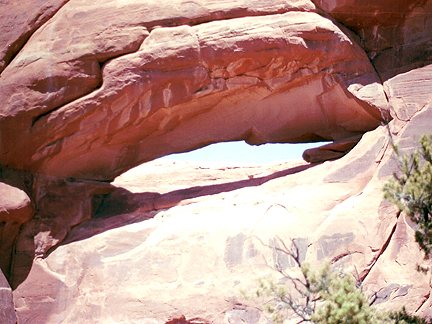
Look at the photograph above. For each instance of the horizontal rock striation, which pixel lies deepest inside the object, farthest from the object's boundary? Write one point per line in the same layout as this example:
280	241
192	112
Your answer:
395	34
91	89
93	100
173	232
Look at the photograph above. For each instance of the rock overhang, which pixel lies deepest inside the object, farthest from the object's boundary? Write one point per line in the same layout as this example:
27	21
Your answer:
286	74
329	202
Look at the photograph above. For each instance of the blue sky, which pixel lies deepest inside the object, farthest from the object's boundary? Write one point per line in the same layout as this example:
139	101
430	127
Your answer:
244	153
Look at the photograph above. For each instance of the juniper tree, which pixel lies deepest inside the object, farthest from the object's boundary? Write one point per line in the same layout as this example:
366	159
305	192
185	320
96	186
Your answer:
343	302
322	296
410	189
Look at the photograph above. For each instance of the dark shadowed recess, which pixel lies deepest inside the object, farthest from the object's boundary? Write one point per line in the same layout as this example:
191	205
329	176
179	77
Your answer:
183	320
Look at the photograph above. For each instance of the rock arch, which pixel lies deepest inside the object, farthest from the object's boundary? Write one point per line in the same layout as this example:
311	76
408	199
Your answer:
105	97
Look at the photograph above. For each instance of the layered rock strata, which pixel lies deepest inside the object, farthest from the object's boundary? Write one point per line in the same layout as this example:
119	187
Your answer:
92	100
180	241
90	90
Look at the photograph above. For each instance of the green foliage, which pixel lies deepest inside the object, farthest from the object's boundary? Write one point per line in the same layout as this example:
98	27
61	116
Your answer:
402	317
298	296
326	297
411	190
344	302
322	296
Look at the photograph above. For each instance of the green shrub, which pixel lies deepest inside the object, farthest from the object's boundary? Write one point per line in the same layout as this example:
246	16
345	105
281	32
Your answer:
327	297
322	296
402	317
410	189
343	302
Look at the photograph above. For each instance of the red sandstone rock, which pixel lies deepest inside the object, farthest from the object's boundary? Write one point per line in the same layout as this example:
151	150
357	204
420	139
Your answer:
331	151
7	311
369	13
395	34
171	242
409	92
188	86
173	232
16	208
19	20
60	204
15	205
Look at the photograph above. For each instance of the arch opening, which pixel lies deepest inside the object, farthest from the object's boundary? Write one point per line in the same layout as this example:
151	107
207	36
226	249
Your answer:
243	153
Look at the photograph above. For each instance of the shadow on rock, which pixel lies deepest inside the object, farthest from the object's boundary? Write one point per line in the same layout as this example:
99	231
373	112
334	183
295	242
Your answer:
122	207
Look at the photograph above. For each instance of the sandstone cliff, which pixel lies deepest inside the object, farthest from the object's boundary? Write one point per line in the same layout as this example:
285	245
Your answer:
90	90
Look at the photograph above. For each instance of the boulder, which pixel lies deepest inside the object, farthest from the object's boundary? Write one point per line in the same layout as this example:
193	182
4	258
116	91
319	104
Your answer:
15	204
16	208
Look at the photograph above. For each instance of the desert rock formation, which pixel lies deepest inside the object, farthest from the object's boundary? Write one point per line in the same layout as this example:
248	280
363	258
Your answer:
88	100
90	90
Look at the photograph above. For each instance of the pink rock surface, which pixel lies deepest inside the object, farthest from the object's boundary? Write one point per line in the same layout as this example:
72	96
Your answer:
60	205
409	92
103	98
91	89
16	208
395	34
177	240
7	309
19	20
15	204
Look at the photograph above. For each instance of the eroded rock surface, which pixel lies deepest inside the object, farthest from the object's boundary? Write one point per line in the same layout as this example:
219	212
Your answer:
16	209
177	240
19	21
102	98
395	34
91	89
7	309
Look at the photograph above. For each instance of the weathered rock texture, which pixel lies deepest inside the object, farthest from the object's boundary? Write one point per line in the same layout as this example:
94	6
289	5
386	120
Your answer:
7	311
19	21
395	34
91	89
175	240
16	208
90	100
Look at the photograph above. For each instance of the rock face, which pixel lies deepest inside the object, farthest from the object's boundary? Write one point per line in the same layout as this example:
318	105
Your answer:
395	34
90	90
16	208
179	241
7	311
102	98
19	21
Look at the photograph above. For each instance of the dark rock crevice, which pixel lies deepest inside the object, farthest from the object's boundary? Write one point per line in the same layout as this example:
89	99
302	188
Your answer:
182	320
383	249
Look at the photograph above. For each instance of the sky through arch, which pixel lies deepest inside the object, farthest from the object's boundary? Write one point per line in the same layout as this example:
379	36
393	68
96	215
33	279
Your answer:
241	152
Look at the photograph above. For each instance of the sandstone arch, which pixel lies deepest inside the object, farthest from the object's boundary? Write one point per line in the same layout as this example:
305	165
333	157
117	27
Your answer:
103	98
90	90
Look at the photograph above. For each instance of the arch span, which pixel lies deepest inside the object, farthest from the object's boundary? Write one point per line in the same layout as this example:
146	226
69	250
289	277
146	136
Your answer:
273	78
